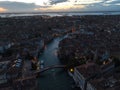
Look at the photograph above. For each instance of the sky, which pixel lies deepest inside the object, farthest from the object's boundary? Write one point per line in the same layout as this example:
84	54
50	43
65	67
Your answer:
58	5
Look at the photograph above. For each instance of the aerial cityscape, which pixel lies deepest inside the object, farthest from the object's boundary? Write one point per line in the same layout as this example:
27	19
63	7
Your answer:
59	45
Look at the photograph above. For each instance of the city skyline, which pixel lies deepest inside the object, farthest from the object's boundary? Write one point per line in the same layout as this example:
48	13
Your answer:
58	5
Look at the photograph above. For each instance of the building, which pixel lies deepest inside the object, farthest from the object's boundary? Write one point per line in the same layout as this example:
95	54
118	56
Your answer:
9	71
90	76
3	68
84	72
3	78
4	46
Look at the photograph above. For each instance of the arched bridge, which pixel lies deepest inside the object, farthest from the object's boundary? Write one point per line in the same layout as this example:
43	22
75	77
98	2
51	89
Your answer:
34	74
49	67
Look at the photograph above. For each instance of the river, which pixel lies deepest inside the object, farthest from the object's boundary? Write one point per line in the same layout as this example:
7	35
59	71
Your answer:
55	79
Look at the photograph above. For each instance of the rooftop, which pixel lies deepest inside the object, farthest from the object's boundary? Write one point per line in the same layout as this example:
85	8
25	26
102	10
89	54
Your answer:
88	69
109	83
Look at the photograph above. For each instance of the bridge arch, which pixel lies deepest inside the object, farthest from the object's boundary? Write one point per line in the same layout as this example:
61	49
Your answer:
40	71
50	67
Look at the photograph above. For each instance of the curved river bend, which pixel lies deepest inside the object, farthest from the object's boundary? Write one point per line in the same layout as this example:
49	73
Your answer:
54	79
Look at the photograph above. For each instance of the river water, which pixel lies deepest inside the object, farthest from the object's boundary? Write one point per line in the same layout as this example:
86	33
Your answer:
55	79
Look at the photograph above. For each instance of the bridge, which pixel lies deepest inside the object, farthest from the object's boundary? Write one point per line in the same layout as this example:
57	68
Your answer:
35	73
49	67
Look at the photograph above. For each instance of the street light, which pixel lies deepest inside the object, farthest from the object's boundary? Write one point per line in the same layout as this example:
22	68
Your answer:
71	70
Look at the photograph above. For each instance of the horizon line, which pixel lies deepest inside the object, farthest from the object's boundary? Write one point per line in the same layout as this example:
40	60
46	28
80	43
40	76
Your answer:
55	12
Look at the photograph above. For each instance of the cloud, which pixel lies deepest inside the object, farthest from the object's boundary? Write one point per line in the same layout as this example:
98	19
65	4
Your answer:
17	6
42	8
112	2
87	1
104	5
11	6
58	5
91	2
57	1
99	5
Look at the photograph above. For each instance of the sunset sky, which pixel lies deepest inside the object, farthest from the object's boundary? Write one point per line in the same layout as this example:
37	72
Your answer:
58	5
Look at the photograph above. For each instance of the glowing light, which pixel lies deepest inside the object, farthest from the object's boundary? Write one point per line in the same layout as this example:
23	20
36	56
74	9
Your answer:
2	9
71	70
60	7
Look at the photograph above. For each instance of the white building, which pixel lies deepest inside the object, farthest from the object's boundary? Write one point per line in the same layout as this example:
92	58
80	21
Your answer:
83	72
85	76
